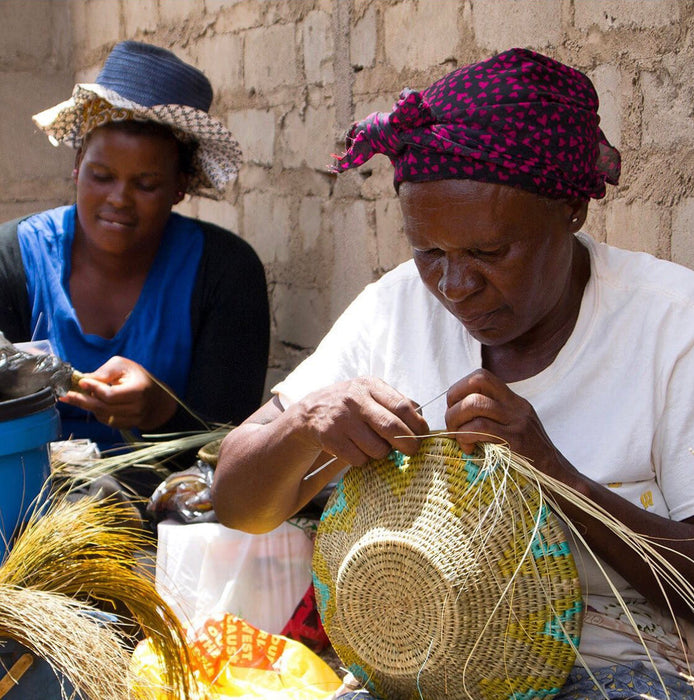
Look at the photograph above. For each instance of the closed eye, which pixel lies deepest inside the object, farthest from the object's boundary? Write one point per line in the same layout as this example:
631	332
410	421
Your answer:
147	186
428	251
489	254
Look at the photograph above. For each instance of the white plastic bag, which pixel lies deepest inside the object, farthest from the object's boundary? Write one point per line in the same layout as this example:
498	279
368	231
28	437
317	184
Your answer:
205	569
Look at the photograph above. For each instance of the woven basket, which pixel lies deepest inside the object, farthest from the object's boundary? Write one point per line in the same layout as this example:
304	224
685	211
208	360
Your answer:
443	576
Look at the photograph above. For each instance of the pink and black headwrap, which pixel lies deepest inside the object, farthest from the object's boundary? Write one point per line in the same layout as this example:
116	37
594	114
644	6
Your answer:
519	119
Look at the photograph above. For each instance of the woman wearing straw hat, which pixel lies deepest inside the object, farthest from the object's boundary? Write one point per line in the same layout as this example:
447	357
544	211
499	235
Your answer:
150	304
578	355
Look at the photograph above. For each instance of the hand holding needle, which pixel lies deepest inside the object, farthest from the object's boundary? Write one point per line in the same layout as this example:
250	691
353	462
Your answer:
419	410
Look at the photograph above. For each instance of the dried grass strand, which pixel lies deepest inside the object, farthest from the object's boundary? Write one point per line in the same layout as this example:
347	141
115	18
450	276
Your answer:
80	552
145	455
92	656
509	468
664	572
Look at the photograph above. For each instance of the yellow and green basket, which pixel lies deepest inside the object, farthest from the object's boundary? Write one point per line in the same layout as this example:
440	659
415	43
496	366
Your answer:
443	575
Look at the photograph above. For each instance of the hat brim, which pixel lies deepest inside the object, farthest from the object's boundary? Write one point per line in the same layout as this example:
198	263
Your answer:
217	158
439	577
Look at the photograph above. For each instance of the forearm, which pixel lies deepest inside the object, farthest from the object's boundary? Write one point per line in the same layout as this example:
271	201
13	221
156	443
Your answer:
259	479
671	539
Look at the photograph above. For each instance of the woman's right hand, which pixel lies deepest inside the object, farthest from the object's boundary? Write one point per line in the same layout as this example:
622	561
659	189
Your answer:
261	477
360	419
123	395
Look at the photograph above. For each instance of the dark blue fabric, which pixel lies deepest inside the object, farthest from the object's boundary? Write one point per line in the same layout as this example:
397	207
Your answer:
150	75
39	682
157	333
624	682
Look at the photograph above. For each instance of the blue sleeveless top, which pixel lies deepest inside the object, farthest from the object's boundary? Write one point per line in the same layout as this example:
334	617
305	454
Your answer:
157	334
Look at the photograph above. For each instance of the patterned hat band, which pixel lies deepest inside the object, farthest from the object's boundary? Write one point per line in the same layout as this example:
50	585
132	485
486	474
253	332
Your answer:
215	162
98	113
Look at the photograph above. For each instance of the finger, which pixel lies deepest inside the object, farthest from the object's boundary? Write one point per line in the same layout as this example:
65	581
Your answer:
116	415
70	398
94	387
114	395
477	418
395	419
467	448
82	400
394	433
469	439
372	433
369	440
118	420
467	413
357	445
107	374
111	371
480	381
401	406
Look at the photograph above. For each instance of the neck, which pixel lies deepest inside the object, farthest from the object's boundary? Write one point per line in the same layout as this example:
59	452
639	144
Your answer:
537	349
118	267
104	288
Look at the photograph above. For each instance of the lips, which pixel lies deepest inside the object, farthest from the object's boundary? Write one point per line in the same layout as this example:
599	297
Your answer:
476	321
116	221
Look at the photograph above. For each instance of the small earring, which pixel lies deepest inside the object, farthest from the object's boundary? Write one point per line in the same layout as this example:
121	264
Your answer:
574	219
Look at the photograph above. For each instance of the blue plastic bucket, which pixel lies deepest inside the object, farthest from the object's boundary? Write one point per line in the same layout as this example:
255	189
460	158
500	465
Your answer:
27	426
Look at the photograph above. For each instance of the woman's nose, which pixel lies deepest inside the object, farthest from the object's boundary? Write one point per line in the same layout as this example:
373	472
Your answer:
459	278
119	194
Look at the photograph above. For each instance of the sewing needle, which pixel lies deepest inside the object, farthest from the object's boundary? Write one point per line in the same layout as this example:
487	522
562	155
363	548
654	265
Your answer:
419	410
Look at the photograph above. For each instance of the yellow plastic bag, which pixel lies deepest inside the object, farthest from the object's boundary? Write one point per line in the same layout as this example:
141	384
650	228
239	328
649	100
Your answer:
233	659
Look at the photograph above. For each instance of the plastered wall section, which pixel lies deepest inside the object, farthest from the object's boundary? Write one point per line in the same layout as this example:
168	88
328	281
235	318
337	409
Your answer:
35	71
291	75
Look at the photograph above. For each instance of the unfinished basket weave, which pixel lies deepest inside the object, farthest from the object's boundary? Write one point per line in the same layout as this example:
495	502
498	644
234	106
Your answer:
443	576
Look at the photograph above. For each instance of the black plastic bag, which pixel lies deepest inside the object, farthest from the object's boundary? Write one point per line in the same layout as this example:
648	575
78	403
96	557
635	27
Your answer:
23	373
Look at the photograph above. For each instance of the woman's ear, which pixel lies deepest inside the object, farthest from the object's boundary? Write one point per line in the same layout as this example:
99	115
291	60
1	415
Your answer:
78	161
578	209
182	188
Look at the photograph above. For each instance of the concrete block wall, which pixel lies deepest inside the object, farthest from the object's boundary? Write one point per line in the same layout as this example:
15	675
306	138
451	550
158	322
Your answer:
291	75
35	73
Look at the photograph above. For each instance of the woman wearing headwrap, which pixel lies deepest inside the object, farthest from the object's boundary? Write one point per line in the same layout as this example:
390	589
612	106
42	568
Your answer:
578	355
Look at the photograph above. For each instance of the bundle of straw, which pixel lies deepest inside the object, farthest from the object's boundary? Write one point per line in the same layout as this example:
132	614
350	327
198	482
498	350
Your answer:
69	558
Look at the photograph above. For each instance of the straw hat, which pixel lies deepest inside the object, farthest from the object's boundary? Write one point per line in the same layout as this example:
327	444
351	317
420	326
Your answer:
443	576
145	82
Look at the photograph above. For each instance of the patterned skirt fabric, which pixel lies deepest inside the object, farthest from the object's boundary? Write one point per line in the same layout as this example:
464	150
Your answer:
627	682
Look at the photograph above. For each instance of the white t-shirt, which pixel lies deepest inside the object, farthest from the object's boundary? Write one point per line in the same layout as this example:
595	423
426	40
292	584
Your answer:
617	401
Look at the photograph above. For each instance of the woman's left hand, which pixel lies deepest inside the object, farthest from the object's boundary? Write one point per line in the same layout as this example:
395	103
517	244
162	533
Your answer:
122	394
483	409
